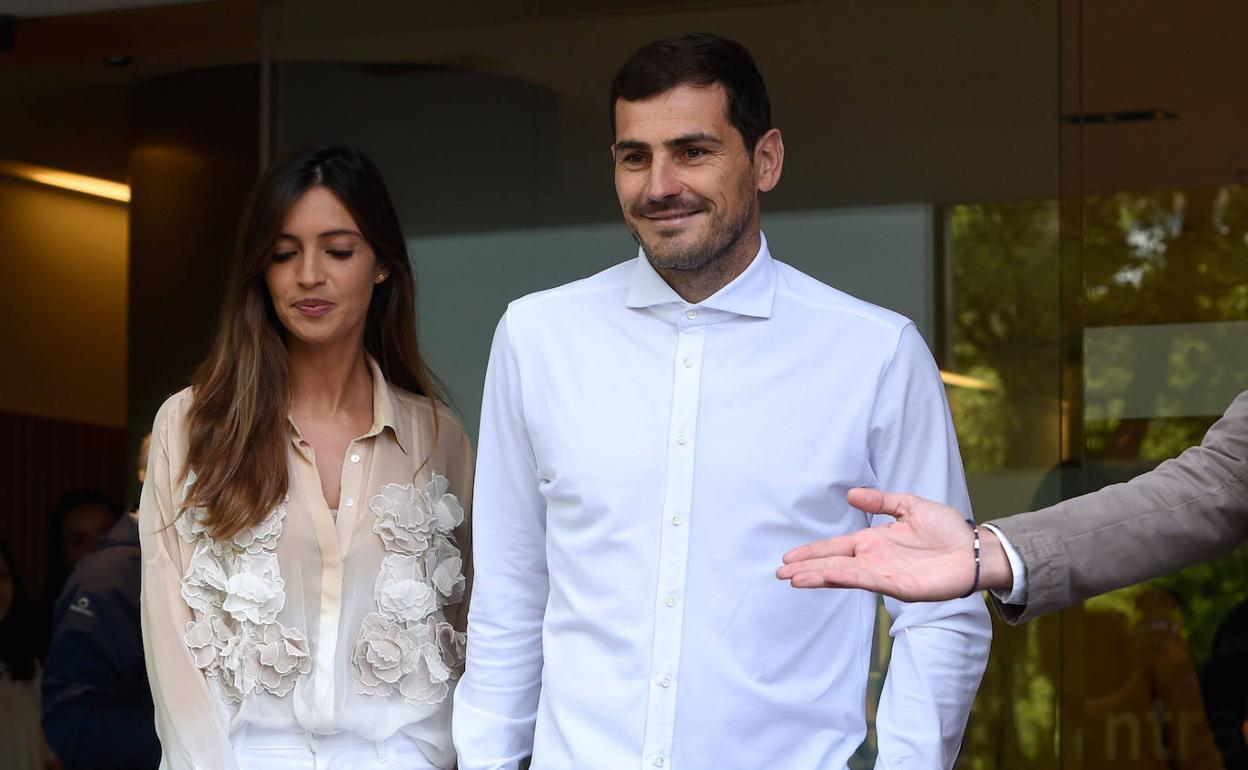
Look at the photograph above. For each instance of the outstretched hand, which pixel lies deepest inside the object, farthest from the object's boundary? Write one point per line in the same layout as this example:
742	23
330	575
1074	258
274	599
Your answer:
927	554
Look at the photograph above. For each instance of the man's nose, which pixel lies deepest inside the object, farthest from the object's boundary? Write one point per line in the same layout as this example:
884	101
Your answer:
663	180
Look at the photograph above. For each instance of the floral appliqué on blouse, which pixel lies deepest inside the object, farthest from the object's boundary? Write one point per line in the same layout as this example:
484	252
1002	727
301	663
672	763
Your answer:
236	590
407	646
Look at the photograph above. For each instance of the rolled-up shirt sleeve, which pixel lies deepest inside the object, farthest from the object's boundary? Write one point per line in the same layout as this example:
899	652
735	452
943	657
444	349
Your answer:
190	720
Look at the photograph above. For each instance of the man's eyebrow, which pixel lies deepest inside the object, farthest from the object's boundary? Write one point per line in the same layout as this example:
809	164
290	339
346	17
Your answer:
681	141
629	144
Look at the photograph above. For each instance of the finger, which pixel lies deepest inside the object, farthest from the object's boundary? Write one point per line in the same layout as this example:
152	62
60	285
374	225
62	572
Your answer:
844	577
878	501
818	549
818	564
839	578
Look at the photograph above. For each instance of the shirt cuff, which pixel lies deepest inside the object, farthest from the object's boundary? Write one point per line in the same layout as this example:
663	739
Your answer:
1018	594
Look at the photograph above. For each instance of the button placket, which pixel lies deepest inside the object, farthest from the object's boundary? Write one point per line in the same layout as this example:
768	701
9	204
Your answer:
674	541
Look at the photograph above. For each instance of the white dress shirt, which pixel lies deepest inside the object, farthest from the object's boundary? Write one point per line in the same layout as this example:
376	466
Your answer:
643	465
304	624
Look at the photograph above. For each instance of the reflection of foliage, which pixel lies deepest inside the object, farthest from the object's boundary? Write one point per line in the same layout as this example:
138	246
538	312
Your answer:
1148	258
1013	720
1206	594
1005	319
1166	257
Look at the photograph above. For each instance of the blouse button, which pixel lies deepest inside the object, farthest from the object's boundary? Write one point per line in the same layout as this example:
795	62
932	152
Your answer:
355	458
350	502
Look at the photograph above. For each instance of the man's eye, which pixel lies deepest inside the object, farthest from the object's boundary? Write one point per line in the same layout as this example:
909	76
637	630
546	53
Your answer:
693	153
633	159
282	256
340	253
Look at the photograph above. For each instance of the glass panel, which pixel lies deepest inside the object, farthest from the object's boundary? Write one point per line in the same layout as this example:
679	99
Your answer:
1163	322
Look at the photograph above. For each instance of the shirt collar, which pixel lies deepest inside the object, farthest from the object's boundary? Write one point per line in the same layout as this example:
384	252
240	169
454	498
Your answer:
750	294
388	411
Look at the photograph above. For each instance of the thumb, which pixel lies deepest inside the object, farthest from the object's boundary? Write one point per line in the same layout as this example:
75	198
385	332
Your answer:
876	501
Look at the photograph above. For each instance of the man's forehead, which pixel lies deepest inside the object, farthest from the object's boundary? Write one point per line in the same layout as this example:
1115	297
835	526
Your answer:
680	111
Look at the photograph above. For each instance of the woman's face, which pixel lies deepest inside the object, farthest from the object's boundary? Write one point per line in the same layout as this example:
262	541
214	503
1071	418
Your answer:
6	588
322	272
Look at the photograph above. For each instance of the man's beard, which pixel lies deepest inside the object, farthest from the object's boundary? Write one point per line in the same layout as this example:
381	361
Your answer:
722	238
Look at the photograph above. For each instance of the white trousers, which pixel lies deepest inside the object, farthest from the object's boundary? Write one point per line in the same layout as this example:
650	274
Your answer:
260	748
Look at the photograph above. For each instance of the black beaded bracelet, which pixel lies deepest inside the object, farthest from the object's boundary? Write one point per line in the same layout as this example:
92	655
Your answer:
978	561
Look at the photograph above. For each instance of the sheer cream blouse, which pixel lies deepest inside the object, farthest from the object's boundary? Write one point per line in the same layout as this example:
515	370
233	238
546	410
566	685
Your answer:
304	621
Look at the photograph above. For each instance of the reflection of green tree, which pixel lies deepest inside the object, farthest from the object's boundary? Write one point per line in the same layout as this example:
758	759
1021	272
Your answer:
1005	331
1149	258
1162	258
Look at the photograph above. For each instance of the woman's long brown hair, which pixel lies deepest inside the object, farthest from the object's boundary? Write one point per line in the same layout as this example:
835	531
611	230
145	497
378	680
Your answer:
237	424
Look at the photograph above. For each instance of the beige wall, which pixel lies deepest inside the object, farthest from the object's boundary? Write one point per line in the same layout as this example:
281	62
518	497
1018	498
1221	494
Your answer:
63	274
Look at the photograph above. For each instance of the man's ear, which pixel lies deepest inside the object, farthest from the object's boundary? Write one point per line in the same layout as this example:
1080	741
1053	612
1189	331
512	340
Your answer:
768	160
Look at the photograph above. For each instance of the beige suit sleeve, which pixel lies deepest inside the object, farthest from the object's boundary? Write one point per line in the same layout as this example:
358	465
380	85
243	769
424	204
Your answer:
190	721
1187	510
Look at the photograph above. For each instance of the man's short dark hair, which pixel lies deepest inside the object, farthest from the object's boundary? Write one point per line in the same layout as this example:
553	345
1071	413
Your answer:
700	59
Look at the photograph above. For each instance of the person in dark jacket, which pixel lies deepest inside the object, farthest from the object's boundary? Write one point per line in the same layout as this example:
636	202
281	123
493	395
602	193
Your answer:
97	706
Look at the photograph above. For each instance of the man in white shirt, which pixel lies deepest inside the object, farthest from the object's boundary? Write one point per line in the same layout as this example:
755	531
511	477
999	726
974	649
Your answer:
651	438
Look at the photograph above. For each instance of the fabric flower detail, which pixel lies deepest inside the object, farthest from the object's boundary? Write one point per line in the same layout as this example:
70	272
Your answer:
444	505
383	654
204	584
445	567
210	638
276	657
452	644
255	592
429	678
402	593
236	589
263	536
190	525
404	521
407	646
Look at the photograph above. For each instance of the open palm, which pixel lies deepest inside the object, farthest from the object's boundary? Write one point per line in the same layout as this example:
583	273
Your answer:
925	555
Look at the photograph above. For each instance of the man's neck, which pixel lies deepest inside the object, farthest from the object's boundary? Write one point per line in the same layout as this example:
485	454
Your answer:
694	286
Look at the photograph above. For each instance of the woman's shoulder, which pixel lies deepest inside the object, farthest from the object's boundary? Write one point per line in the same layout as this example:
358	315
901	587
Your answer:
172	413
421	410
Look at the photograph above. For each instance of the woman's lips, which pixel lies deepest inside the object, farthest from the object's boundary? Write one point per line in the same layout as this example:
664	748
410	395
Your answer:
313	307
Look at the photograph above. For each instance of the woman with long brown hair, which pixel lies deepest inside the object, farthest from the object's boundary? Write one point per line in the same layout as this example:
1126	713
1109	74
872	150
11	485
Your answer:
304	521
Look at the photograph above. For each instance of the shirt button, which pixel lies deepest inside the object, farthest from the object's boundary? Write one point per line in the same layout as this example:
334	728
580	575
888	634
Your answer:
350	502
688	363
658	762
682	439
692	314
675	521
665	682
670	601
355	458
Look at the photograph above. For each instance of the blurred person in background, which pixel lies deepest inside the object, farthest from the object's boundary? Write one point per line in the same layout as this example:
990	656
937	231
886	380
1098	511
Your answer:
21	740
304	509
97	706
78	521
